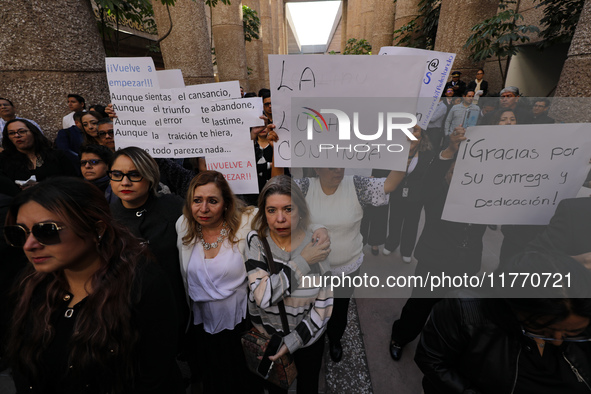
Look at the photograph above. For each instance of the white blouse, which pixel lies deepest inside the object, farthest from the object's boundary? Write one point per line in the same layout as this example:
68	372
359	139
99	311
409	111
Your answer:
217	287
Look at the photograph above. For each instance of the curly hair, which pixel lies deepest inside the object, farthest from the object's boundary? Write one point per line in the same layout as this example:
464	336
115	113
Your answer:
103	338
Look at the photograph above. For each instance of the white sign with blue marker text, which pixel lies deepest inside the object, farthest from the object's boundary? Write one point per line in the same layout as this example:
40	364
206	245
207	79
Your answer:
437	69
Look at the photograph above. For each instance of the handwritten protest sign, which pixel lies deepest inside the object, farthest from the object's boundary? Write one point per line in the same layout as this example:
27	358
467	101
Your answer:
208	120
375	141
131	72
170	79
437	68
517	174
337	76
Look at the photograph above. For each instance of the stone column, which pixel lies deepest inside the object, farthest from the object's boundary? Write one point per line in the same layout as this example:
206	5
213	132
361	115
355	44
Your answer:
455	22
188	46
356	20
230	49
279	34
50	49
406	10
267	38
366	26
576	71
254	53
383	24
344	21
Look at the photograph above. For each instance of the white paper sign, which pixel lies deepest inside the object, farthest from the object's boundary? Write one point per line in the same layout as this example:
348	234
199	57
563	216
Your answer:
170	79
208	120
336	76
439	66
131	72
517	174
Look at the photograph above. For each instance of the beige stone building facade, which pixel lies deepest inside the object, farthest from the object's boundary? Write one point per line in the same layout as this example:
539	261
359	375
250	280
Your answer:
42	61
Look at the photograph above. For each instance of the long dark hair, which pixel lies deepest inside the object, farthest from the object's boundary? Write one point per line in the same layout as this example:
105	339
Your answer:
89	139
103	340
41	144
568	291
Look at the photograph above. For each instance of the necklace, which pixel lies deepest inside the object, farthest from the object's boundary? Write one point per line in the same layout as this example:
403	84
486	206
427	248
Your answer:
284	248
223	234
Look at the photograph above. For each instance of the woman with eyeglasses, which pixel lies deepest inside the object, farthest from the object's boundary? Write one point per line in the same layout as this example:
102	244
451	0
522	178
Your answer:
148	215
536	341
94	164
28	153
93	314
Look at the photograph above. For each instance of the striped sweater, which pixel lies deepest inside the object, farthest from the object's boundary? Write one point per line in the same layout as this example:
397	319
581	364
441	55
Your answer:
308	308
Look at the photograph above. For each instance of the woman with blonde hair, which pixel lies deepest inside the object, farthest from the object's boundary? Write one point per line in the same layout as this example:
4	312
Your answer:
211	240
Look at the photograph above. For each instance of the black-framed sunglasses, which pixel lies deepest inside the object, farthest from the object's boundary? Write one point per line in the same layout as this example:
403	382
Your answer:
45	233
93	162
103	134
118	176
564	339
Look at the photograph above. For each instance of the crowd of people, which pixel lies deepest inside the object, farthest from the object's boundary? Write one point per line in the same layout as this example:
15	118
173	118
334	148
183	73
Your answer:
117	266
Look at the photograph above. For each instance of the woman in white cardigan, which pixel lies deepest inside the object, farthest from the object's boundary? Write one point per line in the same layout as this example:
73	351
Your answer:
211	238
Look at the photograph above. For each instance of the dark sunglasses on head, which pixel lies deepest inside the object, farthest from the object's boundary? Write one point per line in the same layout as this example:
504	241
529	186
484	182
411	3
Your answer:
118	176
45	233
93	162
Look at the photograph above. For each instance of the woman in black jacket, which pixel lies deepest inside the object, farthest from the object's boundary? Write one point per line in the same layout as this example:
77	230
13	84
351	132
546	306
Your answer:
27	152
538	344
92	315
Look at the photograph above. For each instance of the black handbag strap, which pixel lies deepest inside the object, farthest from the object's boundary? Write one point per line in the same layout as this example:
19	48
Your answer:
273	269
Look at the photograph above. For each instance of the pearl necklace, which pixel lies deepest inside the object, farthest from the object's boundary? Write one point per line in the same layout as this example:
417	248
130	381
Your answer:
223	234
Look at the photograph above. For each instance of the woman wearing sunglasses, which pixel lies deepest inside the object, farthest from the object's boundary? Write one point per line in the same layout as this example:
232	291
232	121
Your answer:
538	344
94	164
27	152
148	215
93	315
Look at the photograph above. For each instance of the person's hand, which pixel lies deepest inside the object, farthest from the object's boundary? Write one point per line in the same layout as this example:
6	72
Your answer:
584	259
271	134
315	252
321	235
457	136
282	351
110	111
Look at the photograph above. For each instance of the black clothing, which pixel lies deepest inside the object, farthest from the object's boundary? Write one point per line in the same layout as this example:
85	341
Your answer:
461	88
444	247
406	204
569	229
55	163
542	119
156	372
483	86
13	262
154	222
308	361
465	349
338	319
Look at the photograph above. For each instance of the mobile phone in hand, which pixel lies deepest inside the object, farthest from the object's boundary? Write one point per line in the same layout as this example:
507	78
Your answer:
272	348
